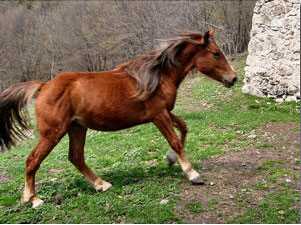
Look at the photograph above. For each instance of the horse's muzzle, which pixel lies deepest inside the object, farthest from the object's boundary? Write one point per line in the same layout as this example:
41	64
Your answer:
229	84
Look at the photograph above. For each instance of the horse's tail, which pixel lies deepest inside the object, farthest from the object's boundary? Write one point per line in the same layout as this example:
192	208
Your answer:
12	121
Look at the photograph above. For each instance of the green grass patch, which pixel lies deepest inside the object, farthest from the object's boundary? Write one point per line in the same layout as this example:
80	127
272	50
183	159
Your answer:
194	207
270	164
212	204
274	170
264	145
277	207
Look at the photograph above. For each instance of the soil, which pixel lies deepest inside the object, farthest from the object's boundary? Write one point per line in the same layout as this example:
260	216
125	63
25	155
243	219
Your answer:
4	178
229	176
185	93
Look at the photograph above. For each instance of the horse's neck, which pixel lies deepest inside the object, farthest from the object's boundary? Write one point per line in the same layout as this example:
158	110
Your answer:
179	73
186	64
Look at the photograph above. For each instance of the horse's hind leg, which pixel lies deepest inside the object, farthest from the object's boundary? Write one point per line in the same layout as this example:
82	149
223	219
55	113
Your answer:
77	137
181	125
33	163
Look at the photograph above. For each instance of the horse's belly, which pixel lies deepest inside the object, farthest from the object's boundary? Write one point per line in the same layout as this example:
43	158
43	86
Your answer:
112	120
113	125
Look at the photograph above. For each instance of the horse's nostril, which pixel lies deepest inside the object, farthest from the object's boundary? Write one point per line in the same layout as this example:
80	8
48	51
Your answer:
234	80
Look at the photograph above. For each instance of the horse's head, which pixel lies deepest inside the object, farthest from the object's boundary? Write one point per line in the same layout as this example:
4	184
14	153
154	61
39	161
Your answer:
211	61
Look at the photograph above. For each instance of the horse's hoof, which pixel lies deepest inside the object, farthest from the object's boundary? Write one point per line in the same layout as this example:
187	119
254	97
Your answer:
106	186
36	202
103	186
198	181
171	157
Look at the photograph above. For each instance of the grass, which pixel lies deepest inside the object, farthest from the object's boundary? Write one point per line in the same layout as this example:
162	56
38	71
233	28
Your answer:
264	145
194	207
212	204
276	208
133	160
280	204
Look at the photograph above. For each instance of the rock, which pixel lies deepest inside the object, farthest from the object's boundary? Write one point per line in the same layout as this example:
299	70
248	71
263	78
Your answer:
252	136
291	98
260	199
58	199
281	212
296	168
243	164
273	62
288	181
239	132
211	183
231	197
243	190
244	107
164	202
279	100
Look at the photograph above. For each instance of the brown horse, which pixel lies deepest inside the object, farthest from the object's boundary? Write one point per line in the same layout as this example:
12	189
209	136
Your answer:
137	92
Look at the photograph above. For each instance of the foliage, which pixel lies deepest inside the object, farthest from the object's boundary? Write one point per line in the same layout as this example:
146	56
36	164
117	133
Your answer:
43	38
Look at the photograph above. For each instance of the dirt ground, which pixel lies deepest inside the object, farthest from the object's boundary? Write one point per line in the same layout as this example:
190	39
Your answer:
228	175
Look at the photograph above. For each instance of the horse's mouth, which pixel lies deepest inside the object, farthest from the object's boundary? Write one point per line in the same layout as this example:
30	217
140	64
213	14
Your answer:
229	84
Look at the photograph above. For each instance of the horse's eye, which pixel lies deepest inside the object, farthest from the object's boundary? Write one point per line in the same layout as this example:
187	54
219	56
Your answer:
216	54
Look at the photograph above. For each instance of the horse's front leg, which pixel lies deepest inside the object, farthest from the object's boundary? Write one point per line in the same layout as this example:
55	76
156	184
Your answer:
164	123
181	126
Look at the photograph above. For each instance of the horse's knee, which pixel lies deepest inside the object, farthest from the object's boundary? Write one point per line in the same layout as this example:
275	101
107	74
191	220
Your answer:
31	165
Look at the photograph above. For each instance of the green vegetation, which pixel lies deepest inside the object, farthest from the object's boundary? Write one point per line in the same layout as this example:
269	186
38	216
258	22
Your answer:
276	208
212	203
195	207
133	160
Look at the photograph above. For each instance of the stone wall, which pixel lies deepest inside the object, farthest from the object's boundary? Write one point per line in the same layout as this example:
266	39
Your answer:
273	62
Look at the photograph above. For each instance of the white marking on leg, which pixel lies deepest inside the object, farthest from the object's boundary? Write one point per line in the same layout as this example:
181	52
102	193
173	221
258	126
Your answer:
27	194
101	185
188	169
36	202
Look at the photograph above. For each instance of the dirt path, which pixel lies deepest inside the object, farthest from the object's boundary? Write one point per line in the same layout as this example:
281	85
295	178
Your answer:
229	175
185	92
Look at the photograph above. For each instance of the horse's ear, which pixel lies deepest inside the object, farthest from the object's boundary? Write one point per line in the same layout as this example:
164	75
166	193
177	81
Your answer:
203	39
208	35
212	32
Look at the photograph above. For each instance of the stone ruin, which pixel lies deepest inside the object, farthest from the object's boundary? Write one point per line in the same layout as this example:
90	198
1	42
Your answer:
273	62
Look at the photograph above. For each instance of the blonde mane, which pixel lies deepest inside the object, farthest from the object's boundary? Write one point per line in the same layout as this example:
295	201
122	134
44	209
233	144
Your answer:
148	70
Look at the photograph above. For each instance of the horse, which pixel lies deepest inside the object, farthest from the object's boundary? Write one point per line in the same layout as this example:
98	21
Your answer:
139	91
